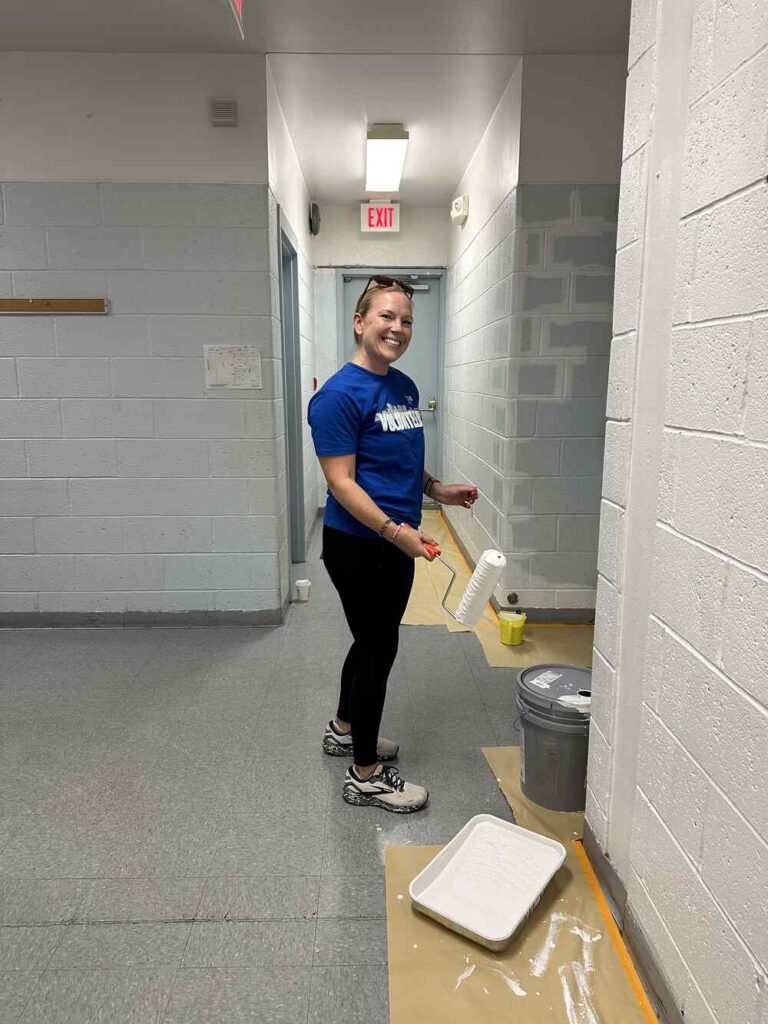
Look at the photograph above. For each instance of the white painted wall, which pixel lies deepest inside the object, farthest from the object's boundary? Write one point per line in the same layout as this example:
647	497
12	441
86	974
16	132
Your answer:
493	170
572	116
679	744
130	117
289	189
421	242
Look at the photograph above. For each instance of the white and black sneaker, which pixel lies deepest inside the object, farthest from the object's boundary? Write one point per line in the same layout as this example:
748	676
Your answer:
339	744
385	788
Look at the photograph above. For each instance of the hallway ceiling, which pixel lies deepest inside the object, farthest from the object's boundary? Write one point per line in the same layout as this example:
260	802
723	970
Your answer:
309	26
444	102
439	66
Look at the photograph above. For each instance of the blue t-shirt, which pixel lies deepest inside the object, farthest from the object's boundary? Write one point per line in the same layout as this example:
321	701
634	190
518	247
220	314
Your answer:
377	419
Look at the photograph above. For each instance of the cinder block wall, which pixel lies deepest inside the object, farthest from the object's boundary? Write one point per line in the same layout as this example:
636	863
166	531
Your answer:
679	741
527	349
130	491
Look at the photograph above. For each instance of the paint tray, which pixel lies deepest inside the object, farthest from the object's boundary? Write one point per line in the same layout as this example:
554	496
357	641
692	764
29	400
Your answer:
487	880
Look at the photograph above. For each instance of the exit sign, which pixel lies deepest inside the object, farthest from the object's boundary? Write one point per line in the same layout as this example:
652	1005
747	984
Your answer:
379	217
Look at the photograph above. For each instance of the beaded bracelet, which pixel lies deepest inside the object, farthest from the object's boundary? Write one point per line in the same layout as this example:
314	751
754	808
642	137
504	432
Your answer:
386	524
393	538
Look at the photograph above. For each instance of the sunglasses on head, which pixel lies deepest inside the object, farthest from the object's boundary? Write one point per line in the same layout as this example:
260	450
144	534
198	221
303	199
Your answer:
381	281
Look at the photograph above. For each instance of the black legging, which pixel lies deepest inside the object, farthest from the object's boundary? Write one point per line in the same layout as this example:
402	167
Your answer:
374	581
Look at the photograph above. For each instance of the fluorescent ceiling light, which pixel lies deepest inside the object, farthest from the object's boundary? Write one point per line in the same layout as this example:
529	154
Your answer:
384	157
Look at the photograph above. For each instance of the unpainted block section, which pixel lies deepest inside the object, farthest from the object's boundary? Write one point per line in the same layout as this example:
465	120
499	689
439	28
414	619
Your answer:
571	417
577	533
566	495
566	570
593	292
575	336
529	533
586	378
583	456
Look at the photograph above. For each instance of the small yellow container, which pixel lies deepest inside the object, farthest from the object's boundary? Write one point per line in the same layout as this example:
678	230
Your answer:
511	626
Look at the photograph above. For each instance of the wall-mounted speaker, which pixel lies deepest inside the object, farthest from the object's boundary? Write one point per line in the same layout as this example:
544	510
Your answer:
314	219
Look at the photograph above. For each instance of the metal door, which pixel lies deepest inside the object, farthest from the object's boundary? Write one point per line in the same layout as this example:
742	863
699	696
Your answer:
422	361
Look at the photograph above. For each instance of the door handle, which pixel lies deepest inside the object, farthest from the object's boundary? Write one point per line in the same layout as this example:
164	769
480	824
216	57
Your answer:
431	405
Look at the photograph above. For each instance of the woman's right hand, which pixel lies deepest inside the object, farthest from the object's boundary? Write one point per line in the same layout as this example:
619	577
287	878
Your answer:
411	542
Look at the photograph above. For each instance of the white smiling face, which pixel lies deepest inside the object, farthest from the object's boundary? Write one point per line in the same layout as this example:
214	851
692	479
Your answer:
384	333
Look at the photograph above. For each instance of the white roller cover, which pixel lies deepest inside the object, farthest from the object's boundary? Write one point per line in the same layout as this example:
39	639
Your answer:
479	589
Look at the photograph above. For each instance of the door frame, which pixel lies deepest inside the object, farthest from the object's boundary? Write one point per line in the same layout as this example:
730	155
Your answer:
438	274
288	252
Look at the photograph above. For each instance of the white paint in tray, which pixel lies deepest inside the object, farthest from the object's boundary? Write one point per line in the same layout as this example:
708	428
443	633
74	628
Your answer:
487	879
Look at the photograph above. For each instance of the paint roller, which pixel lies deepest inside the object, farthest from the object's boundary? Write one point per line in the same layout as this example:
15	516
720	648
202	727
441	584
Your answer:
480	587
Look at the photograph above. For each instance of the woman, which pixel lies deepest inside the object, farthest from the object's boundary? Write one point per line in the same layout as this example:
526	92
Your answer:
369	438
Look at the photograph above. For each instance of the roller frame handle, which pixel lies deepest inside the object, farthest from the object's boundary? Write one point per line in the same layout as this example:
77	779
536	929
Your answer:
433	550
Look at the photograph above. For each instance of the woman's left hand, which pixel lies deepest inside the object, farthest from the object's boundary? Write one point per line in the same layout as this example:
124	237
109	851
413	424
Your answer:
454	494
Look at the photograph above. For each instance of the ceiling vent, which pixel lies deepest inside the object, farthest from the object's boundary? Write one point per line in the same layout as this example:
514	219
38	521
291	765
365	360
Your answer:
224	113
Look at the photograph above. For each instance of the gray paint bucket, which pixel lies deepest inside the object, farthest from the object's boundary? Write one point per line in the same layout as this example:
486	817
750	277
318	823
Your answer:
554	705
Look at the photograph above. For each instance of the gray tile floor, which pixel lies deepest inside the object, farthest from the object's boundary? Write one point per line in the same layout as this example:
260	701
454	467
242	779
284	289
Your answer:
173	843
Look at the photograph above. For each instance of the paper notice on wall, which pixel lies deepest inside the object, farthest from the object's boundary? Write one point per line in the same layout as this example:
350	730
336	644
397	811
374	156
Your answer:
232	366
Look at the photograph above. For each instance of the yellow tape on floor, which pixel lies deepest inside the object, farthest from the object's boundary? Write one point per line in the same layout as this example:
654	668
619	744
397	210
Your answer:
567	965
